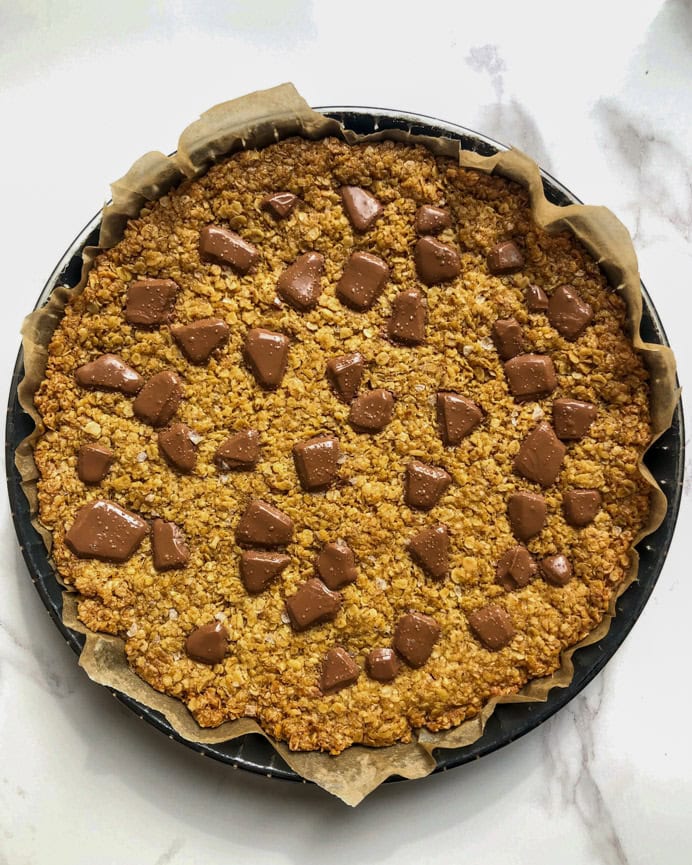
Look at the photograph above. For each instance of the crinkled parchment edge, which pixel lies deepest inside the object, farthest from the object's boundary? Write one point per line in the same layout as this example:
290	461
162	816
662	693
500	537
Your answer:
257	120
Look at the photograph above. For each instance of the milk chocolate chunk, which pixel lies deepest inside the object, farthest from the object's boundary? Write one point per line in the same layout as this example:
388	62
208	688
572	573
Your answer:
299	285
425	485
382	665
103	530
492	626
530	376
175	443
168	545
516	568
93	462
568	313
200	338
239	451
339	670
345	374
264	525
431	219
317	462
159	399
336	565
457	417
536	299
361	207
208	644
267	355
407	322
221	246
540	455
526	513
430	549
281	204
508	338
415	636
436	261
372	411
556	570
109	372
150	301
581	506
362	281
505	258
572	418
312	604
259	568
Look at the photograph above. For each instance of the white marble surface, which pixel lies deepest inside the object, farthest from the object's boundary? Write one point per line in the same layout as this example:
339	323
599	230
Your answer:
86	87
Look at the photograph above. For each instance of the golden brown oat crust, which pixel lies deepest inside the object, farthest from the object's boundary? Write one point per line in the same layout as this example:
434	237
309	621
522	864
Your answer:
272	673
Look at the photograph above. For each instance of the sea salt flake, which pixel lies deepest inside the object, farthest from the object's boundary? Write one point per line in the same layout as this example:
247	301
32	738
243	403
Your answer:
141	457
380	583
537	413
466	350
285	618
132	630
220	617
487	343
172	614
195	437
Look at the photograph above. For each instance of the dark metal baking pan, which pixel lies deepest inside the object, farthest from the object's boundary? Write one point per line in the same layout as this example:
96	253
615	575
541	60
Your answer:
509	722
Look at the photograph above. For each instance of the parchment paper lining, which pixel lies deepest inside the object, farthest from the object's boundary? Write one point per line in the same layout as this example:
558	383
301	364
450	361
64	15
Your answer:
256	120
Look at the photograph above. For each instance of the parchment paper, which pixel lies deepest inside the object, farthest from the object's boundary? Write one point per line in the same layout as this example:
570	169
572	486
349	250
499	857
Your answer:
255	121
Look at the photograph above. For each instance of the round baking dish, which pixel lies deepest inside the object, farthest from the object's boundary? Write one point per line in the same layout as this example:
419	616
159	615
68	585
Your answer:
665	460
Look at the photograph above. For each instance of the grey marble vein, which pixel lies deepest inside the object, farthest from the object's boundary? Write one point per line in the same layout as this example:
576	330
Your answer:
570	755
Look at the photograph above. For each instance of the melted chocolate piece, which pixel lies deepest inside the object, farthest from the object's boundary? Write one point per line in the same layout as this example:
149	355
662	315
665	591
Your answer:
430	549
317	462
299	285
516	568
339	670
407	322
556	570
572	418
264	525
103	530
93	462
425	485
267	355
457	417
435	261
159	399
361	207
168	546
150	301
431	219
281	204
312	604
505	258
258	568
239	451
382	665
221	246
530	376
540	455
109	372
200	338
362	281
581	506
345	374
175	443
492	626
536	299
526	513
371	411
508	338
415	636
568	313
336	565
208	644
